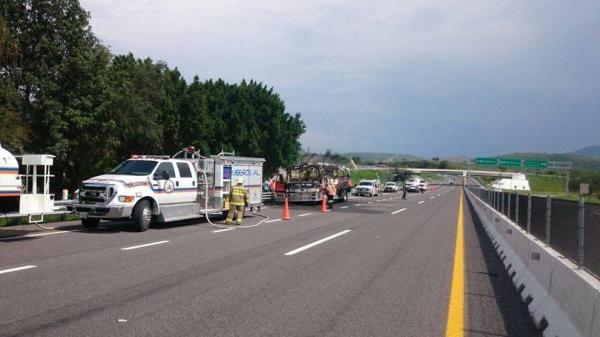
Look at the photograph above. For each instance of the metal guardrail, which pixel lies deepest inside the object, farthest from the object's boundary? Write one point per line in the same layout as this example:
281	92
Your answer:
569	227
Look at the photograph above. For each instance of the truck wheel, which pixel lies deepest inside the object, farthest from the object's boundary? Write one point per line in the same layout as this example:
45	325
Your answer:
142	216
90	222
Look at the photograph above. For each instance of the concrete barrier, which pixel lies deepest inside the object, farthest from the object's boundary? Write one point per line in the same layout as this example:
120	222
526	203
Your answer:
563	300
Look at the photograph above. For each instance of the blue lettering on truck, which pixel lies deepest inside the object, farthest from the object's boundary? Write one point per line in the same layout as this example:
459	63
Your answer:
246	173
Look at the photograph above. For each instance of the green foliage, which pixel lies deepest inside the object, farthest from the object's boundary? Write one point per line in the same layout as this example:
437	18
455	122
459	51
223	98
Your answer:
358	175
402	175
589	177
541	184
63	93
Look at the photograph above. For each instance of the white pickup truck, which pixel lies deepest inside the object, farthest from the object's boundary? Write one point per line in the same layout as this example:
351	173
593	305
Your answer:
368	187
163	189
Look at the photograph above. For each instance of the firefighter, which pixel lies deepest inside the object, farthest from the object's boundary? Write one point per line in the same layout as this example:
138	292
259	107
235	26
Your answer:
238	199
330	192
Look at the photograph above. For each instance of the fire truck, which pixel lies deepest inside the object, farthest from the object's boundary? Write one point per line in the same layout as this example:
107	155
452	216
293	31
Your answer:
148	189
305	182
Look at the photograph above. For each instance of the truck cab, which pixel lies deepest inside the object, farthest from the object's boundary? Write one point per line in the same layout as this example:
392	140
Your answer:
137	189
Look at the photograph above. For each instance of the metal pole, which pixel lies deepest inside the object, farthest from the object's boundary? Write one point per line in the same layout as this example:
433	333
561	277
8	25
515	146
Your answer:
567	183
508	208
502	202
529	213
517	208
548	218
581	233
496	200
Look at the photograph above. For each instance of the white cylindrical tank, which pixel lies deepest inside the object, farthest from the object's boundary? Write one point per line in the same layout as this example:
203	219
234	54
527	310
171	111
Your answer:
10	182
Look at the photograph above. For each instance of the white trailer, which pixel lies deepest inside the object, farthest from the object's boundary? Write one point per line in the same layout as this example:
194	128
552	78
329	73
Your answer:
27	194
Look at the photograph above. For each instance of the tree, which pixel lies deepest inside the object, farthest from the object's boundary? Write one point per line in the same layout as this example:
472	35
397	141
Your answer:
58	74
63	93
13	132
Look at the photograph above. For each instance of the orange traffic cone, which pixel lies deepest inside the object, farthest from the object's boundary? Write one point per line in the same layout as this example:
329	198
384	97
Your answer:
324	204
286	210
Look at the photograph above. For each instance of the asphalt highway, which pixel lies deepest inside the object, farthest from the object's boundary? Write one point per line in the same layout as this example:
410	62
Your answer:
376	266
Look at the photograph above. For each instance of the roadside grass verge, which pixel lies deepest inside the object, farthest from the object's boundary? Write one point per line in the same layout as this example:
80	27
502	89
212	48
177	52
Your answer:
4	221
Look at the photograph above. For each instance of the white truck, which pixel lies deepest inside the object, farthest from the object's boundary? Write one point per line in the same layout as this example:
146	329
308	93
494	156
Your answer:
368	187
163	189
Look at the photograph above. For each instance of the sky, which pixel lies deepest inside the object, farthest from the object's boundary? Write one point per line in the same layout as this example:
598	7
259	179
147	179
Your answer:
429	78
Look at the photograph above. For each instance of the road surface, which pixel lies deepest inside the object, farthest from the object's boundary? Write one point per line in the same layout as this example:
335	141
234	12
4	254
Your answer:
376	266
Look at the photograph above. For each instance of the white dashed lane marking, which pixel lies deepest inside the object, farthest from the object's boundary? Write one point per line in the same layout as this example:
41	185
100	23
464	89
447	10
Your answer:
4	271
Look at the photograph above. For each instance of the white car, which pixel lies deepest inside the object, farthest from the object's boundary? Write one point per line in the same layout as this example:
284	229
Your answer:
368	188
391	186
413	184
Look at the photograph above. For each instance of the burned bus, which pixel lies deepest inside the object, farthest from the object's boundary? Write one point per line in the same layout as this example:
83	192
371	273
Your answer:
305	182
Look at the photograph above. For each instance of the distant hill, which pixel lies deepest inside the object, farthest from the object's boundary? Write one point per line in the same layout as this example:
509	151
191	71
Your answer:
333	158
592	151
381	157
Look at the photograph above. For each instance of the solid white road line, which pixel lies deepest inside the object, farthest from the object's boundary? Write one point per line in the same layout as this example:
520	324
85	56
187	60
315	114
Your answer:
304	214
147	245
223	230
431	197
274	220
31	235
344	207
420	202
298	250
358	204
16	269
399	211
370	202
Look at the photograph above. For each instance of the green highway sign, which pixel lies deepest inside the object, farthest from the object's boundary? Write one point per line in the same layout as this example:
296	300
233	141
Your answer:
536	164
486	161
510	162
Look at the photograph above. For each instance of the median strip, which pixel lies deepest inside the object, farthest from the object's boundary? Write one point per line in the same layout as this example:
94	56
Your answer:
147	245
399	211
298	250
16	269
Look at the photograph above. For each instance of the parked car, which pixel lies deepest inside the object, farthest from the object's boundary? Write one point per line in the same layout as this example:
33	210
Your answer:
368	188
391	187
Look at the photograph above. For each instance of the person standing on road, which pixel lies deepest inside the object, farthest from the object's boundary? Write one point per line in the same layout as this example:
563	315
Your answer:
238	199
330	190
404	192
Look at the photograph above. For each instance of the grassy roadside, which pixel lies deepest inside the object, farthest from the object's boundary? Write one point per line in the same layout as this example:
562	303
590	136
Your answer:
550	185
382	175
47	219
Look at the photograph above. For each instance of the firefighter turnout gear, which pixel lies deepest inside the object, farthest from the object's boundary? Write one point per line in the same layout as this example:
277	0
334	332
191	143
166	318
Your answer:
330	192
238	199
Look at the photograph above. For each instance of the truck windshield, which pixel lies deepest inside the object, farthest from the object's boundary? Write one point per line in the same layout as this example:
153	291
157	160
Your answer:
366	183
135	167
